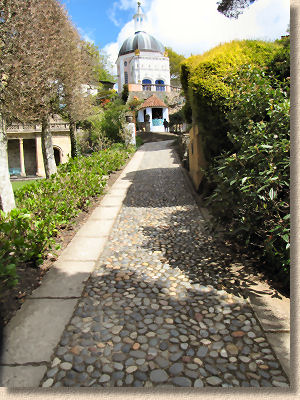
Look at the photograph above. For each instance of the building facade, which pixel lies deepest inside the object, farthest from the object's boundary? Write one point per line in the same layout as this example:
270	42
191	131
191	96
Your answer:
25	157
151	115
143	63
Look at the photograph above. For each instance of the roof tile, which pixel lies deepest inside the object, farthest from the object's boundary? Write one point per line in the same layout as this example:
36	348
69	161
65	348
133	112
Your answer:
153	101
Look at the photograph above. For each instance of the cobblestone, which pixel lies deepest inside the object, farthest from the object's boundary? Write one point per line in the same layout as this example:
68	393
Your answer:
155	312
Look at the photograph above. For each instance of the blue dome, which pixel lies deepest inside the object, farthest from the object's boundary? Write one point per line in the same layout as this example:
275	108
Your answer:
141	41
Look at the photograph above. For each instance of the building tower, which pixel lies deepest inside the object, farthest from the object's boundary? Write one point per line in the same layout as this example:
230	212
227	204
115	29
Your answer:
142	62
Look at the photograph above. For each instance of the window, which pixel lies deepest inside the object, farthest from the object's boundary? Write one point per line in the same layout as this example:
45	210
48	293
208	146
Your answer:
160	85
125	63
157	113
157	116
146	84
126	77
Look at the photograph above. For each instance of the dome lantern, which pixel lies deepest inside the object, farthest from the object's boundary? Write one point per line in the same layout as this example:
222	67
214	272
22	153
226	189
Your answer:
139	19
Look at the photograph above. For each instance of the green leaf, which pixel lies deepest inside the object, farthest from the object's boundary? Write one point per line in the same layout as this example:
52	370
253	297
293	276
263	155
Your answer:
286	238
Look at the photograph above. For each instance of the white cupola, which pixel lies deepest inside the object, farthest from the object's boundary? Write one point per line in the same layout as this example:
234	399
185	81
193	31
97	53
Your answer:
142	62
139	18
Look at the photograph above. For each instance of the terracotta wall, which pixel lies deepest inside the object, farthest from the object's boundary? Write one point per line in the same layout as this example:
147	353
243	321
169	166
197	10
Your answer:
196	156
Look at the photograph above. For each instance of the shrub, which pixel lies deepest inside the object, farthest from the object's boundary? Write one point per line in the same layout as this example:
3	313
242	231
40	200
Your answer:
113	120
251	183
279	65
51	204
206	83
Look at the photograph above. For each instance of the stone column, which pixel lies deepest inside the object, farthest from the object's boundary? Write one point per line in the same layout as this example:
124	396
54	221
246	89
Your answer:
22	161
40	171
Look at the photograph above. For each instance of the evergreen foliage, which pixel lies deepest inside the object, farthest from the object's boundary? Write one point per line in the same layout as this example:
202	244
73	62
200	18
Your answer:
250	184
238	94
46	206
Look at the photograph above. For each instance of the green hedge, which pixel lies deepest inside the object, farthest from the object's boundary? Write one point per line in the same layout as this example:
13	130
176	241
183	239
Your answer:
48	205
206	83
251	183
238	94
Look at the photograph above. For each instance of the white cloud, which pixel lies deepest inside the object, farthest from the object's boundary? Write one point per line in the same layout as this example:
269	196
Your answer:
121	5
196	26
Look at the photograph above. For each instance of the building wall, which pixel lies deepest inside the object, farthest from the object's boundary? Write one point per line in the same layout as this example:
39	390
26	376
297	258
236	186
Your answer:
63	142
153	128
30	156
196	156
13	150
146	65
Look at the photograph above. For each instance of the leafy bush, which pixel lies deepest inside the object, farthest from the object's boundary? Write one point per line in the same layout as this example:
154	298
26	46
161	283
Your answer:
279	65
48	205
251	183
208	91
112	121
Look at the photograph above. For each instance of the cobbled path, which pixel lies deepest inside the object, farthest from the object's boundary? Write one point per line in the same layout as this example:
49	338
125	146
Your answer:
151	313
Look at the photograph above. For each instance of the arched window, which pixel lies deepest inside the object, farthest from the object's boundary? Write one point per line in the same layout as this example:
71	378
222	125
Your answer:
126	77
160	85
146	84
125	63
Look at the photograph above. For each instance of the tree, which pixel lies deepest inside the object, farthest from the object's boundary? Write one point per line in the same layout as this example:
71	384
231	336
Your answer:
233	8
98	64
175	61
36	65
74	74
125	93
16	42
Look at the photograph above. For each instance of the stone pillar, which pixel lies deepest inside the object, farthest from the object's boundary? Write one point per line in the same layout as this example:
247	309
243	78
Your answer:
22	162
130	128
40	171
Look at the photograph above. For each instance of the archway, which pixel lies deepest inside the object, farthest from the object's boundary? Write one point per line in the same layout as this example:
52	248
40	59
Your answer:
57	155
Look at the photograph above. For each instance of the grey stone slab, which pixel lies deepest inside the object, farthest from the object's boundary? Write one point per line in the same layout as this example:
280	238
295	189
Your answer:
35	330
120	189
112	201
21	376
96	228
105	213
65	279
280	342
83	249
273	312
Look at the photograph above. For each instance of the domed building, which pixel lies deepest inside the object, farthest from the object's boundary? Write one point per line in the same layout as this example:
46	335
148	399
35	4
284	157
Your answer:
142	62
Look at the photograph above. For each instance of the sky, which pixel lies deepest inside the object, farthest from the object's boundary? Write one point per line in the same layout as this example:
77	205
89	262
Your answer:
189	26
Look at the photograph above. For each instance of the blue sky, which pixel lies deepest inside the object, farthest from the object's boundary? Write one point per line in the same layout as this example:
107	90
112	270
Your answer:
92	18
192	26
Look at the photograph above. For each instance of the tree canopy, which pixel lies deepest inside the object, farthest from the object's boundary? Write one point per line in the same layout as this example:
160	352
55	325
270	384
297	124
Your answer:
175	61
42	69
98	63
233	8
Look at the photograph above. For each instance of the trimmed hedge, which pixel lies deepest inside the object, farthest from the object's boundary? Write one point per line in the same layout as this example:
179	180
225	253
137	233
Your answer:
206	83
48	205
